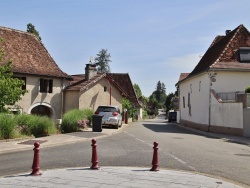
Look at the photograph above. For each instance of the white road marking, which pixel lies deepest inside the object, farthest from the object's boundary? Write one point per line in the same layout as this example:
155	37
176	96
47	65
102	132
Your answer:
176	158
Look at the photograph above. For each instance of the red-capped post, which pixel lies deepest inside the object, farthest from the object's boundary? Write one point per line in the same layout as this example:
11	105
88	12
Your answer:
94	156
36	163
155	158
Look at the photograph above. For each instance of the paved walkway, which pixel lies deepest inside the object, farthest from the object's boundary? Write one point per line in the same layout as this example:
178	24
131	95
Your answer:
113	177
7	146
106	176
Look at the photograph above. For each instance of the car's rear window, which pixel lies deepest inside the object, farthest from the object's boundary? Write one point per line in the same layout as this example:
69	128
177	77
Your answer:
106	109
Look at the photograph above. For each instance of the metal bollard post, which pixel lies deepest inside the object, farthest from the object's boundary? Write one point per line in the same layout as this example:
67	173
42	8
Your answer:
94	156
36	163
155	158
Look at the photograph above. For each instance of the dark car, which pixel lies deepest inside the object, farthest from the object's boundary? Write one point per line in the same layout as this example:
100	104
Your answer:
172	116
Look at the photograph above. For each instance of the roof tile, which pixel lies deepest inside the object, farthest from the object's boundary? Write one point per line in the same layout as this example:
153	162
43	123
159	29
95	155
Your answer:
28	54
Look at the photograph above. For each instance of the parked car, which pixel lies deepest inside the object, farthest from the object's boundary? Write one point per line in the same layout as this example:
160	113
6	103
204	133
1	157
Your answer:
172	116
111	115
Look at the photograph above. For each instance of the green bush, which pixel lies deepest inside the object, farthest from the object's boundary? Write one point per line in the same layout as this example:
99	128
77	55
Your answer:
23	125
70	119
247	89
7	126
35	125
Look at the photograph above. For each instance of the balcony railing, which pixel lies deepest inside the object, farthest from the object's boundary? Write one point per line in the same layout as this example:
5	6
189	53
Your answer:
236	97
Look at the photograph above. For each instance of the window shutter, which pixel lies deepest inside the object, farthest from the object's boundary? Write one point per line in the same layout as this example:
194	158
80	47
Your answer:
50	86
41	85
24	86
46	86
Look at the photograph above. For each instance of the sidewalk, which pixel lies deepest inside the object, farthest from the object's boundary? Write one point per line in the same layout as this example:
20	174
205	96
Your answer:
7	146
113	177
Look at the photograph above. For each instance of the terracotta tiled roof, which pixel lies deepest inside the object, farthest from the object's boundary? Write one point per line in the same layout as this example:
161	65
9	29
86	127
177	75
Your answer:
183	76
80	83
223	52
121	81
28	54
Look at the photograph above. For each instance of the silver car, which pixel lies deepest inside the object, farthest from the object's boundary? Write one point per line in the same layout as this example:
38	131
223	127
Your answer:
111	115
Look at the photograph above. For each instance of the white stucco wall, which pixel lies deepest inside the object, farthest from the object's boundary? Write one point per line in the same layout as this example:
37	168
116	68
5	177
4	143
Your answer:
199	99
227	81
34	97
95	96
71	100
226	114
222	114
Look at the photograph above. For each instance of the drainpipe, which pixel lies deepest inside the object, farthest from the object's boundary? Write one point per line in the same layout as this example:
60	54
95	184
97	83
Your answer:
110	90
209	108
62	99
211	75
110	93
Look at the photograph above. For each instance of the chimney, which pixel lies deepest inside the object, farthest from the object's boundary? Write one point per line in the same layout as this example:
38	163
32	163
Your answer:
90	71
227	32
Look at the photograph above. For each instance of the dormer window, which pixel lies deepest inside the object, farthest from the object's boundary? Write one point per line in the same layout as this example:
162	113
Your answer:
244	53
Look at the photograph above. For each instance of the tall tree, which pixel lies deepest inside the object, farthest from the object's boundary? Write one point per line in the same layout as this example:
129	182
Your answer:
158	91
158	97
137	90
31	29
10	88
102	61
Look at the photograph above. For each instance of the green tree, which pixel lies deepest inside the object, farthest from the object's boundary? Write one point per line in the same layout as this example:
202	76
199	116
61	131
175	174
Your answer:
158	91
137	90
168	101
102	61
10	88
31	29
132	111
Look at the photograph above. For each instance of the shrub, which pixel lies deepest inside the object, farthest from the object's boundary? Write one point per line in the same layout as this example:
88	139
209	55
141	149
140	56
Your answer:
70	119
41	125
89	113
247	89
7	126
23	125
35	125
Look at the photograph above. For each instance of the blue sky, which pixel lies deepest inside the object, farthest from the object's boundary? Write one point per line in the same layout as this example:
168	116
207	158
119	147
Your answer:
152	40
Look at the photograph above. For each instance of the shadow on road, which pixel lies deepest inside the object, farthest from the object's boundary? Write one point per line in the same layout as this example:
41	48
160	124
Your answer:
167	128
171	128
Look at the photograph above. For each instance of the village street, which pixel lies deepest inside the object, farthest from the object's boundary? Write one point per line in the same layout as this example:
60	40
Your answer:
179	149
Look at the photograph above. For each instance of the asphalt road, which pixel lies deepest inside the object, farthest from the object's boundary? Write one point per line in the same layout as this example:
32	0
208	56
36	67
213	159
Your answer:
178	149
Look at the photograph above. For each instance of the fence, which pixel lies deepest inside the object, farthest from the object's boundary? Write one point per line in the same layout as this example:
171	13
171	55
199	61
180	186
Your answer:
236	97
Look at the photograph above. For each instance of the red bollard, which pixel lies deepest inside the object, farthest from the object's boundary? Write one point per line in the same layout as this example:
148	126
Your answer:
36	163
94	156
155	158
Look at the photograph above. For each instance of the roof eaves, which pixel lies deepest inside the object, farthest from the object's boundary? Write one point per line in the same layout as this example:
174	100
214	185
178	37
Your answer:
92	82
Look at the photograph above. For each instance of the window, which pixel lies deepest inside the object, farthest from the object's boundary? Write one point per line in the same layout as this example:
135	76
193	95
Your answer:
199	86
244	53
24	79
183	102
105	88
46	86
191	88
189	104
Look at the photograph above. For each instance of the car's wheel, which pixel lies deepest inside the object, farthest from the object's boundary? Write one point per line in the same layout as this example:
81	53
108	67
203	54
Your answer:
117	126
121	124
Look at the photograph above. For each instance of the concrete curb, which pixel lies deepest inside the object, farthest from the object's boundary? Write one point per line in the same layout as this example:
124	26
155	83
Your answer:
226	138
